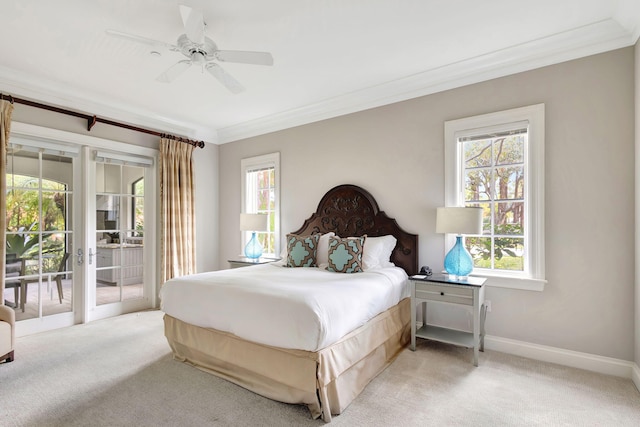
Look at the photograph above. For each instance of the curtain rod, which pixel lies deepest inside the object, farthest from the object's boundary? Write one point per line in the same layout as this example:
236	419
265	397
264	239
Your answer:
92	120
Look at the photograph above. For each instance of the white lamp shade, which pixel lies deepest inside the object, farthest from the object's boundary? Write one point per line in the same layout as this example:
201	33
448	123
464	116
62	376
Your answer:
456	220
254	222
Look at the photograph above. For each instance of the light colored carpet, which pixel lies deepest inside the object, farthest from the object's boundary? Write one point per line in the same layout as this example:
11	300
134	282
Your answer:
119	372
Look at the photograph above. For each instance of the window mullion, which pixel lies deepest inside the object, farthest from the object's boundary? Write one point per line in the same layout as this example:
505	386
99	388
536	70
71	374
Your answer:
40	218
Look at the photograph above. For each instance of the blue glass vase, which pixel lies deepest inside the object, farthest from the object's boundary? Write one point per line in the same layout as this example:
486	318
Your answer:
458	261
253	249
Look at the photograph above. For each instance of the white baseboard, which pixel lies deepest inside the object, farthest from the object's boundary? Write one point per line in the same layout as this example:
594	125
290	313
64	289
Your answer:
575	359
635	375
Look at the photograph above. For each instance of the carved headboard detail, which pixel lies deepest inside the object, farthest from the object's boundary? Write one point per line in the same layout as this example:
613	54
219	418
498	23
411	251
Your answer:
349	210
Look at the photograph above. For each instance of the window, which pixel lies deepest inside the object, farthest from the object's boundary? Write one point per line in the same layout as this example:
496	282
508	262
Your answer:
496	162
261	194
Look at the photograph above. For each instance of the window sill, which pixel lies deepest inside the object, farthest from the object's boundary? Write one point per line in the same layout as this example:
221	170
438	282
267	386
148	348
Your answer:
524	284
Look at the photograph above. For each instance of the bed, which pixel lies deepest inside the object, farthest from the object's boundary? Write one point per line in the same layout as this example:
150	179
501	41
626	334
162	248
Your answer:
324	371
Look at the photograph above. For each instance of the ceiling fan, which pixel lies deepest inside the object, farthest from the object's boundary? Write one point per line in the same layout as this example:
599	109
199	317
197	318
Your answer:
200	50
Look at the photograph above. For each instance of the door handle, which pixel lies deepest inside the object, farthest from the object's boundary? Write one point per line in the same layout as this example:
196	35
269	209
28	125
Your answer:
91	254
80	257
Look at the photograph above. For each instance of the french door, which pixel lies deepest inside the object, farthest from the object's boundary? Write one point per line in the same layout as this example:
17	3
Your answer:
41	214
120	198
81	222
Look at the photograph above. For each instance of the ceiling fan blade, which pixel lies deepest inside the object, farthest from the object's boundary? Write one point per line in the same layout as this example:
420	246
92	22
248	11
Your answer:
226	79
193	21
245	57
139	39
174	71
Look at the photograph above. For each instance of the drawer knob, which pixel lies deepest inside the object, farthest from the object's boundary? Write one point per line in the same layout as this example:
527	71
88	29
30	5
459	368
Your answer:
442	293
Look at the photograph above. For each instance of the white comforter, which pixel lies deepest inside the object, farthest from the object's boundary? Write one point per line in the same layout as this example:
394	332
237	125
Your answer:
295	308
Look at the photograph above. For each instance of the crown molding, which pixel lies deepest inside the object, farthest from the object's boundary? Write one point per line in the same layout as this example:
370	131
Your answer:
621	31
60	95
588	40
627	14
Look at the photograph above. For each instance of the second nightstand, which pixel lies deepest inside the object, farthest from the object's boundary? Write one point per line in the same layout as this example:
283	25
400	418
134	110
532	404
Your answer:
245	262
468	292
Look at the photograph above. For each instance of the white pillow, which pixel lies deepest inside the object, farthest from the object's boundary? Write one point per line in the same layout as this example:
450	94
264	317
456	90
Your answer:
322	254
377	252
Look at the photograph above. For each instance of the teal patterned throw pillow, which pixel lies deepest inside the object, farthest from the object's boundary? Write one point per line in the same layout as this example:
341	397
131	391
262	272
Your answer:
345	254
301	250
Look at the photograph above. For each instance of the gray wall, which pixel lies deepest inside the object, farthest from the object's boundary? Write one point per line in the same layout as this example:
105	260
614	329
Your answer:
396	153
207	207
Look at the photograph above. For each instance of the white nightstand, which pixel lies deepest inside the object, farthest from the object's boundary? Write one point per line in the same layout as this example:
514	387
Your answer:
245	262
442	289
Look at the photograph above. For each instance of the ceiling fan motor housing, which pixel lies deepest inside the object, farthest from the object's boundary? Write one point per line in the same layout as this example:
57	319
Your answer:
204	52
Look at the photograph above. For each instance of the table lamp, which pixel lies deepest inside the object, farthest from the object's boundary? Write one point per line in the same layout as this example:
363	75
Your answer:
253	223
459	221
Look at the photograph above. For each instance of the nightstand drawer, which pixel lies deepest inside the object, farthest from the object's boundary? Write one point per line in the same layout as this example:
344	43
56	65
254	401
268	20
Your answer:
455	295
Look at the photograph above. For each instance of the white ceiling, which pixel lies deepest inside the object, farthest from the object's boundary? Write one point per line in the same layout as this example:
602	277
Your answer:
331	57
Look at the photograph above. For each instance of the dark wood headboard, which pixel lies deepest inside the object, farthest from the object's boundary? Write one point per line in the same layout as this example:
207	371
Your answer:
349	210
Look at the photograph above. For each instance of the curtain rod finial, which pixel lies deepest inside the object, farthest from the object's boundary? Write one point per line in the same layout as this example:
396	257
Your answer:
91	122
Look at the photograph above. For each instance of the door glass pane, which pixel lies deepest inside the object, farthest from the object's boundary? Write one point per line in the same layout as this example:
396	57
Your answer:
133	245
38	234
56	271
108	273
119	233
22	209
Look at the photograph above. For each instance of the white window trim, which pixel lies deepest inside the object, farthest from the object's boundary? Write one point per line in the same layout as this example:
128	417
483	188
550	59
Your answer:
266	160
534	277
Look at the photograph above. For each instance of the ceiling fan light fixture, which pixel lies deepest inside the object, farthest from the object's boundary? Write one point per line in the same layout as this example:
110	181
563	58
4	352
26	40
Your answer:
198	58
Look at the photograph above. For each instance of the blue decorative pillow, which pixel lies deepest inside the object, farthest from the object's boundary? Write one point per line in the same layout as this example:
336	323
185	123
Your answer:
345	254
301	250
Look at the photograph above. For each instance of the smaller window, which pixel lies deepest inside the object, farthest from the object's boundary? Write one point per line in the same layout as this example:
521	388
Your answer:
261	194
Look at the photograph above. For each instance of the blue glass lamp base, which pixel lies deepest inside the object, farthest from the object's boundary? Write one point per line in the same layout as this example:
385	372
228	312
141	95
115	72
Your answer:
458	261
253	249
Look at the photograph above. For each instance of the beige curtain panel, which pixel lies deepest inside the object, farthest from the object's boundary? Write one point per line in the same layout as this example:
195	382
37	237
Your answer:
6	108
177	209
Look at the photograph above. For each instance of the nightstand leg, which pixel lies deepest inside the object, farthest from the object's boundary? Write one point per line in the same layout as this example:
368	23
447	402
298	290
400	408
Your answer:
483	317
413	317
476	326
475	349
413	333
